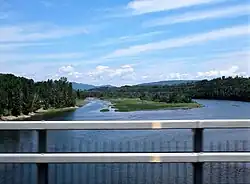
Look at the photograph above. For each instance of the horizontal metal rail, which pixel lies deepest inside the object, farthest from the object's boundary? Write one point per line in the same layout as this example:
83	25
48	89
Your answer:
197	158
123	125
124	157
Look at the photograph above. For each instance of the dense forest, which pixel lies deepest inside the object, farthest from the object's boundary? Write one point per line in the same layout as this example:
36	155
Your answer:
19	95
237	88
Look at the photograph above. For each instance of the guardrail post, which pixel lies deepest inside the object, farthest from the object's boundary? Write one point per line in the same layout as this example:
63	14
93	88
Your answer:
42	168
198	147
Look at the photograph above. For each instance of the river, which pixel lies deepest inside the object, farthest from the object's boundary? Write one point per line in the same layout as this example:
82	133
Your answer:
132	141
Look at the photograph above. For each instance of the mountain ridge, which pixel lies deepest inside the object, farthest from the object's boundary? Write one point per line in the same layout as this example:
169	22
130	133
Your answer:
167	82
82	86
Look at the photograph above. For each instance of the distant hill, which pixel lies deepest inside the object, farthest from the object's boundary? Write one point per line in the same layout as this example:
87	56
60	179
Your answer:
81	86
102	88
106	86
170	83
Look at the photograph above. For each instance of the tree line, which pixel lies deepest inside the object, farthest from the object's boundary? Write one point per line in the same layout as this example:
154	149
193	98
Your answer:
19	95
230	88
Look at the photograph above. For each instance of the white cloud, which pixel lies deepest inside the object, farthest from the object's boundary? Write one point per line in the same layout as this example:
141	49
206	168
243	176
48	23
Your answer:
28	33
183	41
162	76
211	65
75	75
232	71
122	71
99	72
178	76
149	6
66	69
105	72
69	71
201	15
231	63
102	68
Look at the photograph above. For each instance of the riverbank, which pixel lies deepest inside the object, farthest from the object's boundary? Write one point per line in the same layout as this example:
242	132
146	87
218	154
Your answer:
38	112
135	104
79	103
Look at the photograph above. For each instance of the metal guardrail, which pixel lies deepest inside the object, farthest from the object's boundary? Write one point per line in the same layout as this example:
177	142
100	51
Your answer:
197	158
124	157
123	125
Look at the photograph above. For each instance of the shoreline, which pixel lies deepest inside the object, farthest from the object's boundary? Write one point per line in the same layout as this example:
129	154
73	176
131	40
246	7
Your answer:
37	113
80	103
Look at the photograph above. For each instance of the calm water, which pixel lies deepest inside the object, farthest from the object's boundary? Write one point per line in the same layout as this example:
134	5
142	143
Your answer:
132	141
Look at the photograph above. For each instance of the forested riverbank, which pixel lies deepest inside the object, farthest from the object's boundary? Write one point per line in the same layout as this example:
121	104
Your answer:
148	97
236	89
21	97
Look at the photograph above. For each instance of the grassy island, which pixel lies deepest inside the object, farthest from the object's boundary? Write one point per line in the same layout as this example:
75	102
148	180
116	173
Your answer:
104	110
136	104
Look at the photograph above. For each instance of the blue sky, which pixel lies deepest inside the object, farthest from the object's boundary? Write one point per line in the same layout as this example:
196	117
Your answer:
126	41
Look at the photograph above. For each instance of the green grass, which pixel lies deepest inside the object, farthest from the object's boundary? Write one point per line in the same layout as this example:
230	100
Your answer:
134	104
104	110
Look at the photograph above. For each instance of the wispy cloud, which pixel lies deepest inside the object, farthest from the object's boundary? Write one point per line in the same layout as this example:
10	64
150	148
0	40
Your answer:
130	38
113	12
232	11
8	57
241	55
149	6
14	46
27	33
183	41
